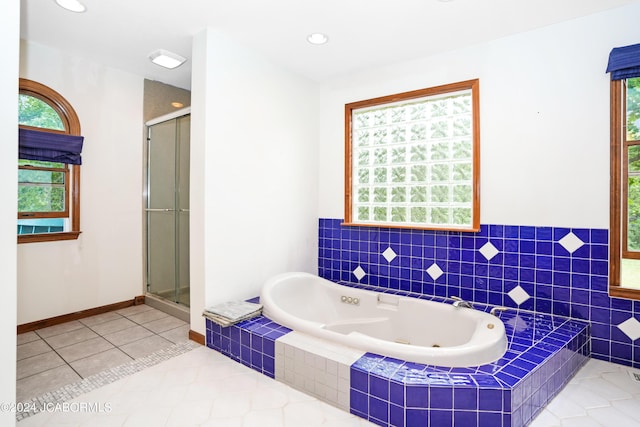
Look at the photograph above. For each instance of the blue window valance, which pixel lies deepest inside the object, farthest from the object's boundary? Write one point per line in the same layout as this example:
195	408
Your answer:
624	62
49	146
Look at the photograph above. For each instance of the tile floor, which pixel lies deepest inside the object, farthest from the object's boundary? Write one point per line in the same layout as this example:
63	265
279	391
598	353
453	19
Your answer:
201	387
52	357
198	388
601	394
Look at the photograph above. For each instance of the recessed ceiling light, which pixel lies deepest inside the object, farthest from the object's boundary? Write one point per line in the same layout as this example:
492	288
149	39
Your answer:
317	38
72	5
166	59
176	104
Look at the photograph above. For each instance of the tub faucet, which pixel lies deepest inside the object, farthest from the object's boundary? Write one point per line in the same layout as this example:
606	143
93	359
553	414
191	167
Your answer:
459	302
495	310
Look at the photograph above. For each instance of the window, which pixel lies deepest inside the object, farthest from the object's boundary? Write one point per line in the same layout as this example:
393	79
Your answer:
48	175
412	159
625	185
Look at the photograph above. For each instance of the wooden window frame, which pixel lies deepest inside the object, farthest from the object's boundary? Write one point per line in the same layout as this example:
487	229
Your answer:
51	214
619	192
71	124
474	87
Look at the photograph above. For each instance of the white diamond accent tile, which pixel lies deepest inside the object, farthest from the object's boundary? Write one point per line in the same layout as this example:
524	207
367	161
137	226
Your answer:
518	295
359	273
435	271
631	328
389	254
489	251
571	242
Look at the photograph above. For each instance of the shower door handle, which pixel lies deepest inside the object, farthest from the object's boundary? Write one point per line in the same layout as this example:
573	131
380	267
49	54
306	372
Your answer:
159	210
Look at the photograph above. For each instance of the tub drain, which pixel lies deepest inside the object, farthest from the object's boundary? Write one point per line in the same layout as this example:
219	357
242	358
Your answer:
436	345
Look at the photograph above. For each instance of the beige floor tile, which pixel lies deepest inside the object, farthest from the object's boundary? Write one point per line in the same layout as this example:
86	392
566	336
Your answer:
59	329
100	362
606	389
32	348
594	368
613	417
113	326
623	380
546	419
134	309
70	338
164	324
100	318
126	336
38	384
84	349
177	335
36	364
629	407
147	316
563	407
190	413
146	346
27	337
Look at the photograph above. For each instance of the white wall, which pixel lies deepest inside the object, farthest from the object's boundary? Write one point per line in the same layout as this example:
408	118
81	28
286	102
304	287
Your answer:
9	43
200	88
544	119
255	126
104	265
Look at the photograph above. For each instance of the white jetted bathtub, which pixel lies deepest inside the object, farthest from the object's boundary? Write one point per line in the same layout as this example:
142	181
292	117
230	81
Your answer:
406	328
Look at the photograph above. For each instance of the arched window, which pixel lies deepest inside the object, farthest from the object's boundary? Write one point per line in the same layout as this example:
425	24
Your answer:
48	165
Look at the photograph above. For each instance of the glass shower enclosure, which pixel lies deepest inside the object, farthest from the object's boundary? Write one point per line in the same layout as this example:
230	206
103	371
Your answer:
167	207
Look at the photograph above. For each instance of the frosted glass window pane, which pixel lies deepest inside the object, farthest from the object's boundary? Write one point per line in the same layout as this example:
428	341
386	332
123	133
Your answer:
398	194
413	160
380	195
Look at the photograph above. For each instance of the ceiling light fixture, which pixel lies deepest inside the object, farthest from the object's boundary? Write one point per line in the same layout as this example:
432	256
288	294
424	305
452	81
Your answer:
72	5
166	59
317	38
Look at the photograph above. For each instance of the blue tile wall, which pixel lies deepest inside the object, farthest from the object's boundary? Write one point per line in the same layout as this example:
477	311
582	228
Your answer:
556	280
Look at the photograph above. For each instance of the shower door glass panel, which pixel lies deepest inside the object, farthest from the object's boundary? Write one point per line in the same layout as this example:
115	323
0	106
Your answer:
168	210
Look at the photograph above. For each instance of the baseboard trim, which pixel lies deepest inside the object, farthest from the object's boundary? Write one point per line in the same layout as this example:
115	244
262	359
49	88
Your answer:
197	337
52	321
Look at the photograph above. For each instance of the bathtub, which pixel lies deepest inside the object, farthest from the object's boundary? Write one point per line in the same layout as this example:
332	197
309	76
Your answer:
406	328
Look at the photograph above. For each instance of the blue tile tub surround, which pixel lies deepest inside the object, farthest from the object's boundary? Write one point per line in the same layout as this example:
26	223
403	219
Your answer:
554	270
543	354
250	342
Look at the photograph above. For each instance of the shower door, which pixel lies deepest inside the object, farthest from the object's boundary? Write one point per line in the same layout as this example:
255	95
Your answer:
167	209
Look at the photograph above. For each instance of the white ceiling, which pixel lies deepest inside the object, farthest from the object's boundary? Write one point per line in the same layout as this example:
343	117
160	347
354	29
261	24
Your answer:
362	33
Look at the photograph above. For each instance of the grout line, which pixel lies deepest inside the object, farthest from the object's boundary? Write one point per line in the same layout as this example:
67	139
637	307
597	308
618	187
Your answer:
118	346
65	360
102	323
60	356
